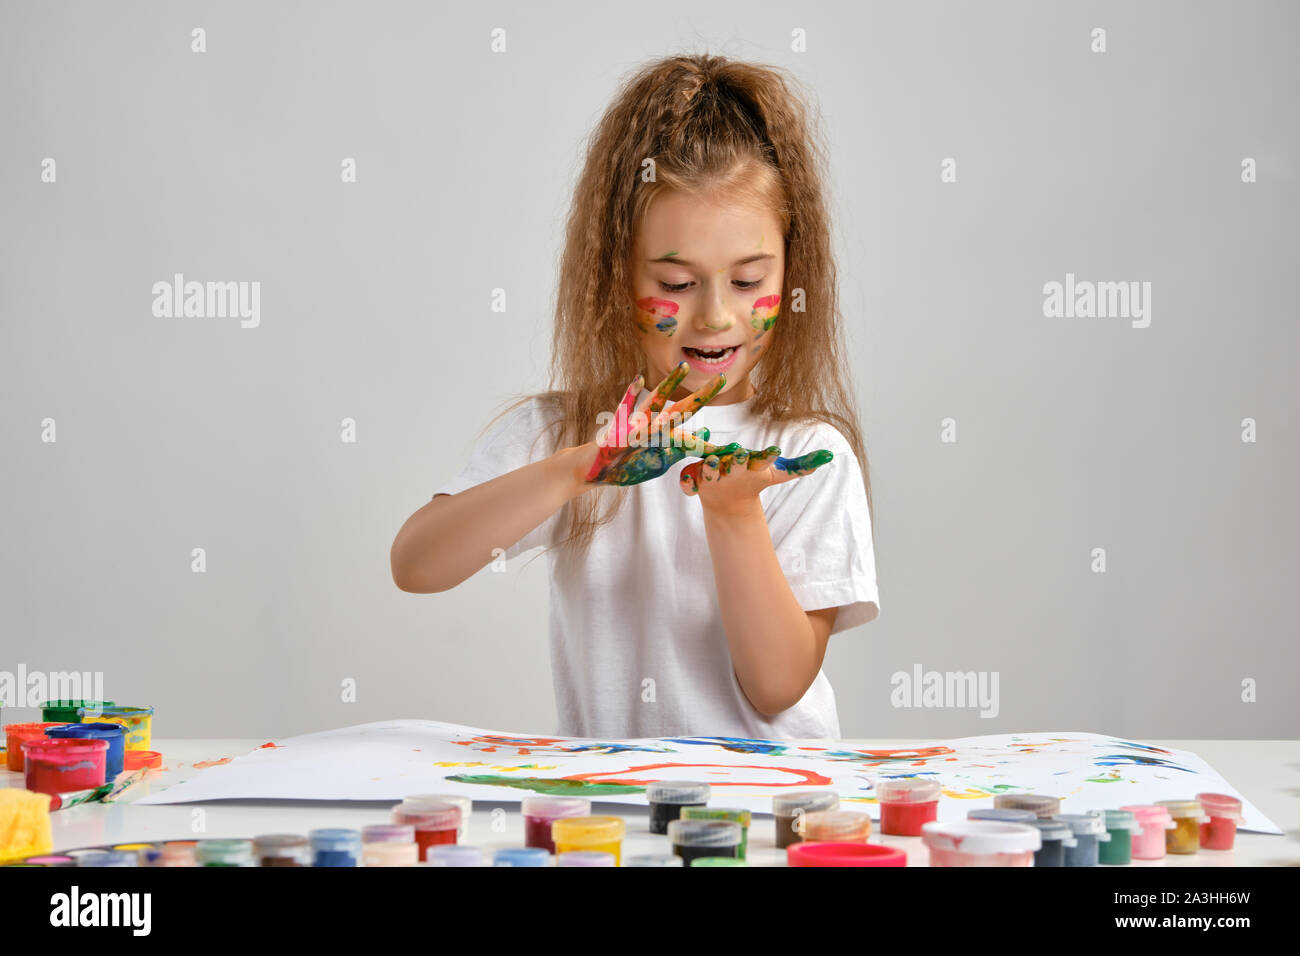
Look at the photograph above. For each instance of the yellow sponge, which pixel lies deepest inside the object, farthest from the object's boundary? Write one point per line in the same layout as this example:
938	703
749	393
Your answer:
24	824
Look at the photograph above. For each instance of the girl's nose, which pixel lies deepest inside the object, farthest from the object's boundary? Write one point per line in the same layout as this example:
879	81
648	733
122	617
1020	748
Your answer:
715	318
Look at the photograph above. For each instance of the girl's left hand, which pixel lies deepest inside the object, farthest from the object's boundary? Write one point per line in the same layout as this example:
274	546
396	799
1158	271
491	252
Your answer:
731	482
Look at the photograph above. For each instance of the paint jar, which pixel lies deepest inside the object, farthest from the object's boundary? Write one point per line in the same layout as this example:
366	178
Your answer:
718	861
586	858
540	812
906	804
1188	817
1089	831
844	854
465	803
1044	807
115	734
69	711
1118	850
735	815
388	833
1149	841
1224	811
788	810
667	797
139	849
15	735
653	859
983	843
692	839
138	722
390	853
600	834
1056	837
522	856
108	858
455	854
1002	815
57	766
282	849
176	853
335	846
52	860
436	823
836	826
136	759
224	853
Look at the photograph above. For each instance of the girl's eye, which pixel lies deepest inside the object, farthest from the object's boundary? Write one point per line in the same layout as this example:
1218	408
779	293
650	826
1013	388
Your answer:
679	287
682	286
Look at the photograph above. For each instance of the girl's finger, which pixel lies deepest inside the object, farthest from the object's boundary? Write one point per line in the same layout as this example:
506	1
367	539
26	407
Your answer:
616	433
690	479
711	468
692	403
804	464
659	397
761	459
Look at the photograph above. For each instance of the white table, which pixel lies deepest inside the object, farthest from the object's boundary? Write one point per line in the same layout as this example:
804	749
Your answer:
1266	772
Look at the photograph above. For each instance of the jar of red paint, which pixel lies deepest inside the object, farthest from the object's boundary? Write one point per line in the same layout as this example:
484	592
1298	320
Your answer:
1224	811
907	804
68	763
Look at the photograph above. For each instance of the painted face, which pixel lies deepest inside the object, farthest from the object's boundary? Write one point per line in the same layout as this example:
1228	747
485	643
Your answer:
707	281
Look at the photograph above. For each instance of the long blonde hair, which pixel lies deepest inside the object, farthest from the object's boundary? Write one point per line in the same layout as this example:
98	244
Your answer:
722	128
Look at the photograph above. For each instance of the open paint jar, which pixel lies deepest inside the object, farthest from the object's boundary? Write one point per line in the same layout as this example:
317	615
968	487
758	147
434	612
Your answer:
1149	841
58	766
138	722
71	711
981	843
1043	807
16	735
590	834
541	812
788	810
436	823
1224	811
115	734
1185	835
667	797
844	854
1089	831
906	804
836	826
692	839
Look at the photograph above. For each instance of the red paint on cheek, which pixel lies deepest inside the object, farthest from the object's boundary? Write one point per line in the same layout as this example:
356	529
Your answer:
657	306
767	302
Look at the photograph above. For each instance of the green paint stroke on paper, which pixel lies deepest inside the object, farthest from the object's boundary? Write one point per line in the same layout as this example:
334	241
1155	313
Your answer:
546	785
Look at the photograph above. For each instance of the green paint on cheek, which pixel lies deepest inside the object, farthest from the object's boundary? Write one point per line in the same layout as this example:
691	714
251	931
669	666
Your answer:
763	316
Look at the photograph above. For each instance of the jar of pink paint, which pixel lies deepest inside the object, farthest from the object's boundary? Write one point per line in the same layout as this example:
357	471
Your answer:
1224	811
1149	842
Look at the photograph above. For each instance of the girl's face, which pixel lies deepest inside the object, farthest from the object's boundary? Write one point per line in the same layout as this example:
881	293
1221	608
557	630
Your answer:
706	277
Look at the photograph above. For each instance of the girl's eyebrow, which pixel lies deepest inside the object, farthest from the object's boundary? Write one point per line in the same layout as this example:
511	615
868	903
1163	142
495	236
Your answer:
670	257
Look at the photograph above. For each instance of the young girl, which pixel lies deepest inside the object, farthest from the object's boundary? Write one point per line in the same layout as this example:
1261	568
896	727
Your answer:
694	585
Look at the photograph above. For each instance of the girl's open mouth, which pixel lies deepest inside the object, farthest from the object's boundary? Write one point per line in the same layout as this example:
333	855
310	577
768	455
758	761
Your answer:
711	360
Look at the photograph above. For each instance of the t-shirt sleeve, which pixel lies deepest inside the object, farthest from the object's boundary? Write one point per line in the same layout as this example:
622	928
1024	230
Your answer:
821	531
519	439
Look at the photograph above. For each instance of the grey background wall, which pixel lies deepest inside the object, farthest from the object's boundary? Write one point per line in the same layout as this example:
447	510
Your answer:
1072	434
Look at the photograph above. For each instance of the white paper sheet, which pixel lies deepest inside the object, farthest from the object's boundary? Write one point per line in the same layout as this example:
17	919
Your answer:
388	760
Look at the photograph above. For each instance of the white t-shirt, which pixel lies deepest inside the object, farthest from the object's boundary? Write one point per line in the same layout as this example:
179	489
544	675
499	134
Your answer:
638	647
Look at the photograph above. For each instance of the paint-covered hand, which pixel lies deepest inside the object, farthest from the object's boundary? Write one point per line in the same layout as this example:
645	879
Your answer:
731	482
643	443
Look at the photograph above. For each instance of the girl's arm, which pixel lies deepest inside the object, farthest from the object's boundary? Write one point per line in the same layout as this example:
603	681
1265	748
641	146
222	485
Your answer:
453	536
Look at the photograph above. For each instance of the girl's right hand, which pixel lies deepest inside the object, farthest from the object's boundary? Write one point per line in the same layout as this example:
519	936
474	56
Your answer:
644	443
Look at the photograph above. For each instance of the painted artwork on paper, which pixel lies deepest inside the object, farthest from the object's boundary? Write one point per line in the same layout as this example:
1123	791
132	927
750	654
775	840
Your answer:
388	760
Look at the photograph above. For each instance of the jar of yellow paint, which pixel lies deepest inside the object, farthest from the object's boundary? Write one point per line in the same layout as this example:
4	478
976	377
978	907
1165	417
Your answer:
600	834
137	721
1185	837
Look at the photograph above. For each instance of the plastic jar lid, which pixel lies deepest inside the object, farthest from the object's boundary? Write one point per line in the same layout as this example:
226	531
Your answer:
587	830
717	861
119	711
552	808
388	833
1086	824
1050	830
280	844
809	801
743	817
229	852
829	853
335	839
454	854
1003	815
431	815
1151	815
653	859
703	832
907	790
836	825
981	837
1122	820
522	856
109	858
135	759
585	858
677	791
1042	805
1179	809
388	853
1221	805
